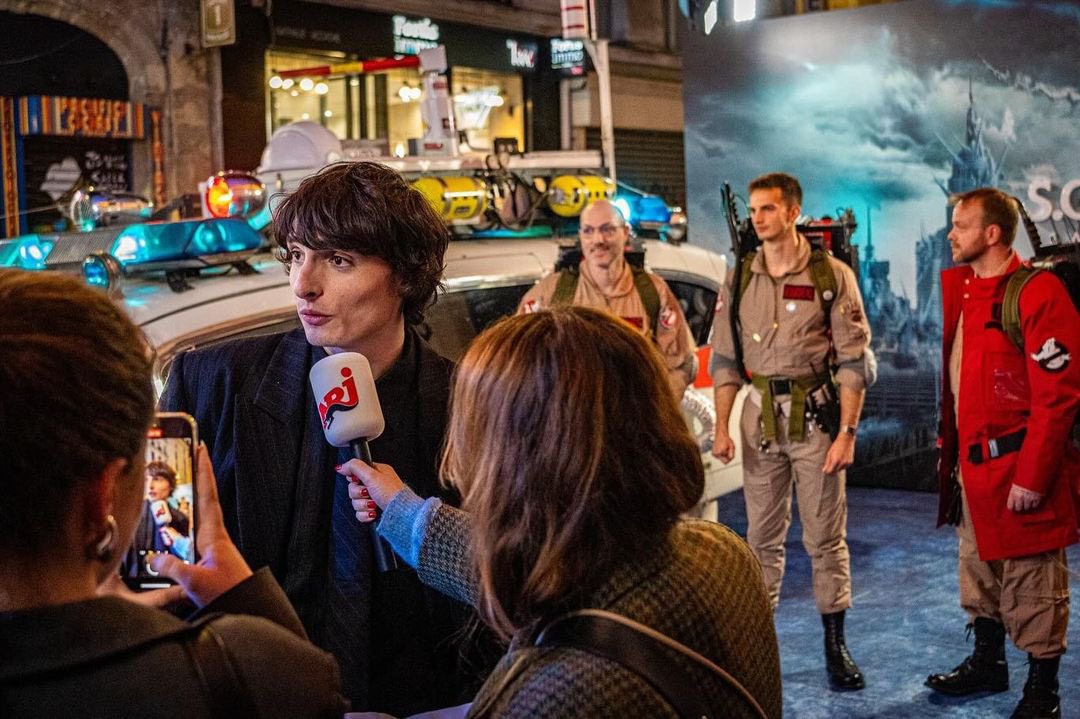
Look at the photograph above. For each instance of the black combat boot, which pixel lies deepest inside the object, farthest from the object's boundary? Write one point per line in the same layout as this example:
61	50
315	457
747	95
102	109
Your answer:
1040	692
984	671
844	674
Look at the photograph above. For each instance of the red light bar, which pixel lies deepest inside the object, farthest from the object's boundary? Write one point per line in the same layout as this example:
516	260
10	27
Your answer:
154	433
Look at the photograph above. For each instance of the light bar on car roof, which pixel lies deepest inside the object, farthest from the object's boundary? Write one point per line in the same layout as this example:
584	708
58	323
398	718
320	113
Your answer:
187	243
104	256
28	252
645	211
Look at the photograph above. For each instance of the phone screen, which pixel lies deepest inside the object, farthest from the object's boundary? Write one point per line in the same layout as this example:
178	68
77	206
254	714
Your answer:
167	521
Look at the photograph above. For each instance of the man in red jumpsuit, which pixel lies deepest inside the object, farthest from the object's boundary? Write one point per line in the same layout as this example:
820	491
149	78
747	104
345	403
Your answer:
1006	418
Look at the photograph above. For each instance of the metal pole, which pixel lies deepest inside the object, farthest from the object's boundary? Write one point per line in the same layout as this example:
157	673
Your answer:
598	52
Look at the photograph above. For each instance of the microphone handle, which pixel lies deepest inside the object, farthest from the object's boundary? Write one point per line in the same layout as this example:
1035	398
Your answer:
385	559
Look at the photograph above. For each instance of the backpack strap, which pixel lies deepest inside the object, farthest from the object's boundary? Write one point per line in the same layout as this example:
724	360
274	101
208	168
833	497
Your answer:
1010	305
650	298
226	693
745	273
639	649
565	288
821	274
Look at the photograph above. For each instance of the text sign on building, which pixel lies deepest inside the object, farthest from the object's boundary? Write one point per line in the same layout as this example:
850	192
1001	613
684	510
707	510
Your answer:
568	55
522	54
81	117
218	23
413	35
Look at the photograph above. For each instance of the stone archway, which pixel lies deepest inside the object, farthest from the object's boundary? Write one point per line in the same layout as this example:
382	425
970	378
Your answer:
136	30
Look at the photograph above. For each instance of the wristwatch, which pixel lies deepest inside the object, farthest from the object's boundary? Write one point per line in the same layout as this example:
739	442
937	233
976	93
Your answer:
849	429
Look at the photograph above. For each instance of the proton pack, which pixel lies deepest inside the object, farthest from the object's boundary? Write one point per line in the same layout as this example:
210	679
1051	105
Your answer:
1060	260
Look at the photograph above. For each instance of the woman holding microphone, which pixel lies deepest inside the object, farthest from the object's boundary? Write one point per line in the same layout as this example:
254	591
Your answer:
575	464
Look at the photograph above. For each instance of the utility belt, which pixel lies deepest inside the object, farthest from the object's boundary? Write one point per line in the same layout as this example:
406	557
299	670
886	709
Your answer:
996	447
804	393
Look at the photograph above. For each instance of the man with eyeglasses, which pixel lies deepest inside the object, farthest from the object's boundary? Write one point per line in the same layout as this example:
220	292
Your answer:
605	280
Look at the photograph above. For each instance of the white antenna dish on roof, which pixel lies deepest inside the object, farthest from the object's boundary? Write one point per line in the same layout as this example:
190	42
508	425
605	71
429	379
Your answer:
300	145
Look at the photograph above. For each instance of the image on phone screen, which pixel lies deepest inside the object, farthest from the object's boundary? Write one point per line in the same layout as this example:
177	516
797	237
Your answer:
166	524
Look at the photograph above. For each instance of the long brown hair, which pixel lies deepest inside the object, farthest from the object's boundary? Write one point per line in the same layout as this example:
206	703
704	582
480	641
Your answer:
75	394
571	455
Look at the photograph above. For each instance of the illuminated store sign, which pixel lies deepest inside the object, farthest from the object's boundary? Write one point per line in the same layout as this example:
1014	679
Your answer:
412	35
522	54
568	55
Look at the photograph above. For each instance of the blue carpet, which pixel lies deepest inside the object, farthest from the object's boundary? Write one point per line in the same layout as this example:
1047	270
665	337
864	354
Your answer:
906	621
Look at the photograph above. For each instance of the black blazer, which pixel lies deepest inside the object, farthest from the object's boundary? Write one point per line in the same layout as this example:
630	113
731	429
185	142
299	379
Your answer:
255	411
250	398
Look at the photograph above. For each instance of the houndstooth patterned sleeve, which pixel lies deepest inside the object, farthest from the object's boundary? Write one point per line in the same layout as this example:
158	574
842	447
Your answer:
433	538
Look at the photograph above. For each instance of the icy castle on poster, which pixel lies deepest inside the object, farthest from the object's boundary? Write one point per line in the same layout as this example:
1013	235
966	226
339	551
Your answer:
901	409
973	166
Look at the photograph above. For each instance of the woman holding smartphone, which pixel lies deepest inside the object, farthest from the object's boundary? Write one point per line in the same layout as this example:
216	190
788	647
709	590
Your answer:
574	464
76	401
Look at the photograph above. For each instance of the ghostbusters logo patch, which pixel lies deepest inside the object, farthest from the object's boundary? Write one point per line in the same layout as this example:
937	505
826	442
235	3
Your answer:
1052	356
531	306
668	318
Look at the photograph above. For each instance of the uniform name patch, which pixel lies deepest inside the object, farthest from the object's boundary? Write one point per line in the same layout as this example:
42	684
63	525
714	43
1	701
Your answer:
798	292
1052	356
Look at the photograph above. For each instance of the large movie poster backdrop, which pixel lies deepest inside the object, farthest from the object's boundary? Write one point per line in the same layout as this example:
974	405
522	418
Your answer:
888	110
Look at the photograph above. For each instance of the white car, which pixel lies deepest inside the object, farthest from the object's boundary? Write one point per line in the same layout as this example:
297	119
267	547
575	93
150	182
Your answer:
484	280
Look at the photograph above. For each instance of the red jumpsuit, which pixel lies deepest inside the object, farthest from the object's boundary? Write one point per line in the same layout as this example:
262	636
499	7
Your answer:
1002	391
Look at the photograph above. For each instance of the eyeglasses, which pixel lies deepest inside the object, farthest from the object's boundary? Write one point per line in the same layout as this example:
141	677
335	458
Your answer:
607	230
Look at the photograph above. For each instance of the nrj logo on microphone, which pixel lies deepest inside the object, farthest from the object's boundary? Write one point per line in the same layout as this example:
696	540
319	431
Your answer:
338	399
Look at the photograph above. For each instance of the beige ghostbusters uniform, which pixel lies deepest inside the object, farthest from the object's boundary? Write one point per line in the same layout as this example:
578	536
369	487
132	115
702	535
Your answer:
673	337
784	336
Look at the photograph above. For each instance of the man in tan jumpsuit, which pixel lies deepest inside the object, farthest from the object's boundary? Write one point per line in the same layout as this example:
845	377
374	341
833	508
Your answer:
786	348
606	281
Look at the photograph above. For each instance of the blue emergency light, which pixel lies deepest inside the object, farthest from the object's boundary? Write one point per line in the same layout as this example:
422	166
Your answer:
104	256
164	242
645	211
28	252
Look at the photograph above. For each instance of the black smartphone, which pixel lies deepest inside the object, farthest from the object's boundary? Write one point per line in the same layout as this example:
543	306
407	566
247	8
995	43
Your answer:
168	519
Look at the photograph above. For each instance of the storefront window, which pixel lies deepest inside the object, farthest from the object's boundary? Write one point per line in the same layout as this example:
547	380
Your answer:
334	102
488	105
403	96
386	106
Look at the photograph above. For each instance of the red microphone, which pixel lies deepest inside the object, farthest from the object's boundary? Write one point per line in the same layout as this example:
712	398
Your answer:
351	416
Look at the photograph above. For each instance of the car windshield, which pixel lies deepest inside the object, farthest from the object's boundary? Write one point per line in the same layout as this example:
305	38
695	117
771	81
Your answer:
451	323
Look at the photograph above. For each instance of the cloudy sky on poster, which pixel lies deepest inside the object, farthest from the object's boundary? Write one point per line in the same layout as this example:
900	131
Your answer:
865	107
